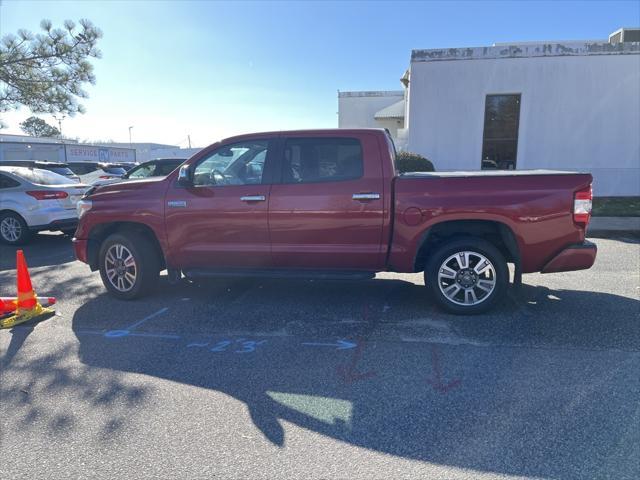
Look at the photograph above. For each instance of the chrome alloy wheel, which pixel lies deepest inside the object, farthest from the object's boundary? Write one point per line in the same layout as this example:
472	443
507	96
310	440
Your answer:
10	229
121	267
467	278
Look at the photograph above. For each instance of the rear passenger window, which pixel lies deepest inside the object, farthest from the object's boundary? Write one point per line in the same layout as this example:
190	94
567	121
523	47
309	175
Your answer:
309	160
6	182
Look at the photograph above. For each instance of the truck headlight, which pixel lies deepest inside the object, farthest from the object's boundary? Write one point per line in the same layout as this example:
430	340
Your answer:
83	207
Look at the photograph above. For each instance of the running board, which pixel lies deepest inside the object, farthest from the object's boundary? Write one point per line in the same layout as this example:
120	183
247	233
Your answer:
279	273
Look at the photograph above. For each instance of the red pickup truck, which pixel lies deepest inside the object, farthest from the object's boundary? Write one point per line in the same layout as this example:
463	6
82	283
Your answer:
330	204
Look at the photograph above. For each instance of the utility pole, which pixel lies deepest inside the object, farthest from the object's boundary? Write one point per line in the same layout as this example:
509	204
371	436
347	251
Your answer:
59	120
189	139
130	135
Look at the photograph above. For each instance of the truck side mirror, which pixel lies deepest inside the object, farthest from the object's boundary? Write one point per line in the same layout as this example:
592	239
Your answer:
184	176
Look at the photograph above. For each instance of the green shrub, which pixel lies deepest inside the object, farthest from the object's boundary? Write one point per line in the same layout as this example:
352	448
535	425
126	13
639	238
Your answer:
616	207
413	162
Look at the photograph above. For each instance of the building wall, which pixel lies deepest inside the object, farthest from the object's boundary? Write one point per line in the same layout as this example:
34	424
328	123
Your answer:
576	113
169	153
357	109
35	151
23	147
391	124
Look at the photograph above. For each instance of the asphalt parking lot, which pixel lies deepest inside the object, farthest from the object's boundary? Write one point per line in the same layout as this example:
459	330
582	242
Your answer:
289	379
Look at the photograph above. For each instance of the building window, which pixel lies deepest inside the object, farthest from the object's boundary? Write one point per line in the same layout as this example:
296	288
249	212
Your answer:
500	140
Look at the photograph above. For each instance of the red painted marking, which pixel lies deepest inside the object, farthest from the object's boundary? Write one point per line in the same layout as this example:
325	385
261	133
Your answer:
348	373
437	382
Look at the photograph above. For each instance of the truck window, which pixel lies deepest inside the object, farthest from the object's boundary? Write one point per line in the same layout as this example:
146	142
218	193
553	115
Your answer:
238	164
310	160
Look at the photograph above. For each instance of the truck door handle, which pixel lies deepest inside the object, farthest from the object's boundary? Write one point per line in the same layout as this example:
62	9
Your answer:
366	196
253	198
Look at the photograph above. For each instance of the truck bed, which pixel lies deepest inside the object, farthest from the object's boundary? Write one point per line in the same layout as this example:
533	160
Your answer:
535	205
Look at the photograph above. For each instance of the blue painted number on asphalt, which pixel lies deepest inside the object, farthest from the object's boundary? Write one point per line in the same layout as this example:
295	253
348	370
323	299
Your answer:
245	346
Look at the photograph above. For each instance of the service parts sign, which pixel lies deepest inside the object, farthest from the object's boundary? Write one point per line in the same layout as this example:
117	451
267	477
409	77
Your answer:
90	153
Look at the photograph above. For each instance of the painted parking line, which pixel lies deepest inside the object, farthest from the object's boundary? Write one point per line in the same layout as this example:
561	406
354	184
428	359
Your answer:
129	330
127	333
148	317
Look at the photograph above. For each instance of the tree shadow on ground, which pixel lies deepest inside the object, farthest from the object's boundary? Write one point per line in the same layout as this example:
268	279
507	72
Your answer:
49	393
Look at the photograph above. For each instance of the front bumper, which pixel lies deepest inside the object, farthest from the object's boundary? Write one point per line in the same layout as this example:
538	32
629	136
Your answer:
575	257
80	249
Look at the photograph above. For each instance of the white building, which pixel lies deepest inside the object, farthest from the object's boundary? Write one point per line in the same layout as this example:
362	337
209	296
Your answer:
380	109
568	106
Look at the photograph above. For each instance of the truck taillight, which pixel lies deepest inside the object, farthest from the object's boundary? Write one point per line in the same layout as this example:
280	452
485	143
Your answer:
582	202
47	194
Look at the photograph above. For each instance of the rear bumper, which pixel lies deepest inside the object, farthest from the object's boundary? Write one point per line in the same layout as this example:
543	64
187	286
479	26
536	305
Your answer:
575	257
61	224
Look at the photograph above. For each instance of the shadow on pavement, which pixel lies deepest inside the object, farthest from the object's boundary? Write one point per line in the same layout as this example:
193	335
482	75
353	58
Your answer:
43	249
47	393
545	411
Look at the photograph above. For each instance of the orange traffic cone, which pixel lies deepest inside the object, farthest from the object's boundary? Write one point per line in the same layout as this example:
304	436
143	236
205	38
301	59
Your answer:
27	305
10	304
26	296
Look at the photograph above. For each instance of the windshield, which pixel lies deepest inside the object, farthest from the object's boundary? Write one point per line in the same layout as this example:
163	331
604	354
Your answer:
142	171
40	177
115	170
61	170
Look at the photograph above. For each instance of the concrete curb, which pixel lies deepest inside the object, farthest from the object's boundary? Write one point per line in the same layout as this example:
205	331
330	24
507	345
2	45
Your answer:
614	225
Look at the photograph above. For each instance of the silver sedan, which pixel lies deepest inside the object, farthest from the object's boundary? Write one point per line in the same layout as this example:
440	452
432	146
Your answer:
32	200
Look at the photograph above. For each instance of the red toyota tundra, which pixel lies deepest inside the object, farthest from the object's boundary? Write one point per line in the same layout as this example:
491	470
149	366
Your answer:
330	204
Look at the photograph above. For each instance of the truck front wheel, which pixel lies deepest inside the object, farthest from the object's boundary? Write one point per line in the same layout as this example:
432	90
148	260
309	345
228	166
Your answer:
129	266
467	276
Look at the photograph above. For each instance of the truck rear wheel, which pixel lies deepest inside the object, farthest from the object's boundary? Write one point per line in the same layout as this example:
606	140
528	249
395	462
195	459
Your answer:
467	276
129	265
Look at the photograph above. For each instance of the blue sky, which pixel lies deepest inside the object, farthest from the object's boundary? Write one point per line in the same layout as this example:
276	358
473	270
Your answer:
214	69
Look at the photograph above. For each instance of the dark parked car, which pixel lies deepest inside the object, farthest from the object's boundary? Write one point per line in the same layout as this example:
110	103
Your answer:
60	168
160	167
92	172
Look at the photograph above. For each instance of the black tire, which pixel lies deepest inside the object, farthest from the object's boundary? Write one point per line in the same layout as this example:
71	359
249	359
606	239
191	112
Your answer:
147	265
16	221
477	247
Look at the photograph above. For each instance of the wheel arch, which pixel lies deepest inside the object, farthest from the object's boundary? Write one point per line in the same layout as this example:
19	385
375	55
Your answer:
100	232
498	233
9	210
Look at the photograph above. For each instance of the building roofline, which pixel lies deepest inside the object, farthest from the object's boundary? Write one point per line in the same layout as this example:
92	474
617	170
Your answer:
372	93
526	51
17	138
